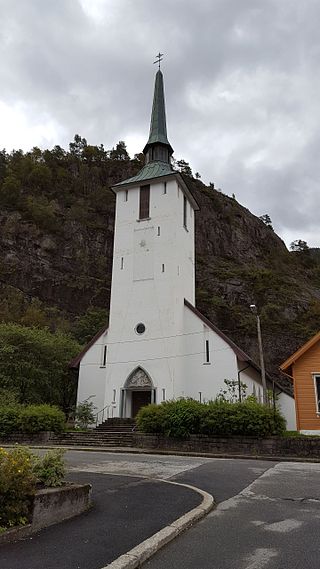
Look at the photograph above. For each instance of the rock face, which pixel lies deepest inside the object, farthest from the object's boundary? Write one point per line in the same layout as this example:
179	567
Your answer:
65	265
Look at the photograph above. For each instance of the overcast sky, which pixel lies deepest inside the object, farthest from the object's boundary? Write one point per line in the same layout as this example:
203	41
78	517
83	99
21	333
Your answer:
242	82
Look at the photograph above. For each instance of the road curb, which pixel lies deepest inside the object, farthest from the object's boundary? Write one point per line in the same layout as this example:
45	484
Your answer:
139	554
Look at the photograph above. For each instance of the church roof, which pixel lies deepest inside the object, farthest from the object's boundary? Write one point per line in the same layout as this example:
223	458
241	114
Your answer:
75	362
151	170
241	355
158	126
158	163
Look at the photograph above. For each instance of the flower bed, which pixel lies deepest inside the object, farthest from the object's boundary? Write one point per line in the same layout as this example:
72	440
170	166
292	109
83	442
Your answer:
21	474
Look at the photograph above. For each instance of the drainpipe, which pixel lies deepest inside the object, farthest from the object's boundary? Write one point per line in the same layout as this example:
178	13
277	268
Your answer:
239	382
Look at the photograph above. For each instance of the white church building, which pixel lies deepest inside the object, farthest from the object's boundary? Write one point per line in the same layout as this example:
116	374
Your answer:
158	346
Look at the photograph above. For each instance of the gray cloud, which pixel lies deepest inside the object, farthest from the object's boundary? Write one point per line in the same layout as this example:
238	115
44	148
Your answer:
241	81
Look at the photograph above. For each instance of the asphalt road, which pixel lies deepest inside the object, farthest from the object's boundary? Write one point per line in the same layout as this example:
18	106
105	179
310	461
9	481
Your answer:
268	515
126	511
273	524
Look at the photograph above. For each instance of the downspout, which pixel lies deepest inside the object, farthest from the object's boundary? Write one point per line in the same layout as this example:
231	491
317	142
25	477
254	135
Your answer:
239	382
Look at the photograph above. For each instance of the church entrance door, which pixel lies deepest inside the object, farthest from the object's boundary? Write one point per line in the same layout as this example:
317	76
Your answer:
137	392
139	399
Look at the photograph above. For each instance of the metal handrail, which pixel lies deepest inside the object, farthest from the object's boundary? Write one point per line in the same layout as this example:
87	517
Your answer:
107	407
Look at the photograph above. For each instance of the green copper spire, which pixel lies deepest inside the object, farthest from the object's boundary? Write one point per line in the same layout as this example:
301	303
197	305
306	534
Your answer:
158	146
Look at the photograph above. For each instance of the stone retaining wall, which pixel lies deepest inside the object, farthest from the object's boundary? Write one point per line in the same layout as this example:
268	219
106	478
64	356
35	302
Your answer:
27	439
51	506
300	447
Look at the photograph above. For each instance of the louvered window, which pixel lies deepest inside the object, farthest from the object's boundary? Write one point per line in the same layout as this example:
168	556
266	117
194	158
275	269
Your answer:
144	207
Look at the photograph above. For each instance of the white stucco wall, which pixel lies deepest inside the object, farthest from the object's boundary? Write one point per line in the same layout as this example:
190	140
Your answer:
153	270
286	405
92	376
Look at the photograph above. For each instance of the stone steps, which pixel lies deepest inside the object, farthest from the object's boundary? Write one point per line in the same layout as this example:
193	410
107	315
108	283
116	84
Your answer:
93	438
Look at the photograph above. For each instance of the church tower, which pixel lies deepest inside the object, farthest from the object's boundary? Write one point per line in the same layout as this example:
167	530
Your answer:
152	274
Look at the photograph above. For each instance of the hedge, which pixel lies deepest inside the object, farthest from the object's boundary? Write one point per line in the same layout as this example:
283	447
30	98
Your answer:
183	417
31	419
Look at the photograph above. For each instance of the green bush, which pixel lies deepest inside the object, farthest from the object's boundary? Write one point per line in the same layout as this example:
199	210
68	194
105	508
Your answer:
17	486
9	419
20	471
36	418
248	418
50	468
150	419
178	418
184	417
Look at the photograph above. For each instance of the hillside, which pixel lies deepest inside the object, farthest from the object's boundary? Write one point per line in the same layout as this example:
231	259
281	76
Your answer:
56	240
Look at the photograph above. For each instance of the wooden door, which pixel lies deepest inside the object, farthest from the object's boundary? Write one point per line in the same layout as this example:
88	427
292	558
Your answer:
140	399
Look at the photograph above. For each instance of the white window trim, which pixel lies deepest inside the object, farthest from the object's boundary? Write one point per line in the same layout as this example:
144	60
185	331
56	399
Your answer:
316	375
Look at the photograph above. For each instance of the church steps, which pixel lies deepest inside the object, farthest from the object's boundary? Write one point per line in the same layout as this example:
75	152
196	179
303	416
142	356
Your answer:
94	438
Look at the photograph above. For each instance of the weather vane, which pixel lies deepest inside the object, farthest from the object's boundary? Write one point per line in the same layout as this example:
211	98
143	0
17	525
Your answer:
159	58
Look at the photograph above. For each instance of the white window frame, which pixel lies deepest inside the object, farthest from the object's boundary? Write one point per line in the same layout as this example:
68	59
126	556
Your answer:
316	375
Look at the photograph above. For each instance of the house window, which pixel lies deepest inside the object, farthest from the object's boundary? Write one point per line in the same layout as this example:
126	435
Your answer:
162	268
121	263
114	395
163	395
126	195
164	187
207	352
185	212
200	396
104	356
158	231
317	390
144	206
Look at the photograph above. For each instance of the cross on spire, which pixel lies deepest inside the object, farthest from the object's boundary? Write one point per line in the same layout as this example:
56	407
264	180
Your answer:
159	58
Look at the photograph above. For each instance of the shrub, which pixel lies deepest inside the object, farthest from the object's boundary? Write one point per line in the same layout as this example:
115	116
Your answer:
36	418
178	418
50	468
150	419
9	419
184	417
84	414
247	418
17	486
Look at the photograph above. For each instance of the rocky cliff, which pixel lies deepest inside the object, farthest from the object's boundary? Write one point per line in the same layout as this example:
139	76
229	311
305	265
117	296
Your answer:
56	240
